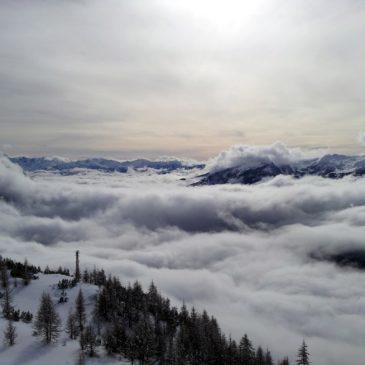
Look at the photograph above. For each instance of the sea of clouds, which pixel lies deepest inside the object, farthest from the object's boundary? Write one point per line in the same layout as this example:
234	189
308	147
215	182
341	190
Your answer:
242	252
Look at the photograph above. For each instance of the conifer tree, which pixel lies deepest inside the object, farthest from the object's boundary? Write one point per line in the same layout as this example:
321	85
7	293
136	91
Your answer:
7	303
153	299
71	326
144	341
88	338
182	344
115	339
303	355
260	357
231	352
47	322
170	357
268	358
7	297
80	311
26	274
4	275
160	340
246	351
10	334
86	276
131	349
285	361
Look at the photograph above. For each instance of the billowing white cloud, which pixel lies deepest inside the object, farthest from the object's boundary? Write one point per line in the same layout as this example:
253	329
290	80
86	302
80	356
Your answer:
361	138
249	156
245	253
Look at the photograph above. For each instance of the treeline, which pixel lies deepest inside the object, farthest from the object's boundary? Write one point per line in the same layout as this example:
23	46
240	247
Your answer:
139	326
17	270
145	327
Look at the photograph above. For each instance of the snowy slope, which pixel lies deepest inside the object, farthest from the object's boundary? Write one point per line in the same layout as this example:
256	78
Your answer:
28	349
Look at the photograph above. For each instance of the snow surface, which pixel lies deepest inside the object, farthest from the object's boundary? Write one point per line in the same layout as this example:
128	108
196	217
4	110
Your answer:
28	349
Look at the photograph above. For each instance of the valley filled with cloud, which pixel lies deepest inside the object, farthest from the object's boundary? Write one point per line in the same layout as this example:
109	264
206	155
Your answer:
262	258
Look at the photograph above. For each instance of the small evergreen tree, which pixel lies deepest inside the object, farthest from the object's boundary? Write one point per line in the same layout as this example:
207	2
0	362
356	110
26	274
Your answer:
170	357
26	276
4	276
131	349
231	354
86	276
144	341
115	339
260	357
268	358
47	322
26	316
72	328
246	351
285	361
80	311
10	334
89	341
7	300
303	355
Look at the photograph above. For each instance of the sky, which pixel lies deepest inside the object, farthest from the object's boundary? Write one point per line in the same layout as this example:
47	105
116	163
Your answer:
150	78
249	255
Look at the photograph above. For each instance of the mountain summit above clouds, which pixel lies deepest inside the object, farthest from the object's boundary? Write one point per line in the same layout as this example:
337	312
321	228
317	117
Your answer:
333	166
238	165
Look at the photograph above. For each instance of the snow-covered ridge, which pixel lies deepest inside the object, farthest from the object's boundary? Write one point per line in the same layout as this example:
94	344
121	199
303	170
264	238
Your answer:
237	165
252	170
101	164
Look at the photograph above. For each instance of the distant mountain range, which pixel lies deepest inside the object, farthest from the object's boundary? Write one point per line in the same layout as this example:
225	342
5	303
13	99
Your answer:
100	164
333	166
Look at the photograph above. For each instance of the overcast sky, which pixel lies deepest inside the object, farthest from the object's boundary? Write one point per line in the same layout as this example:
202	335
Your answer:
132	78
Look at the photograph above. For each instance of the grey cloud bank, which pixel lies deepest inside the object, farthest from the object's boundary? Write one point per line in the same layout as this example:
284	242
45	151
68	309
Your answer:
241	252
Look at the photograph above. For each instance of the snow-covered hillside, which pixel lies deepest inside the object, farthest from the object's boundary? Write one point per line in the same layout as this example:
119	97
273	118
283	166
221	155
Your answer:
29	350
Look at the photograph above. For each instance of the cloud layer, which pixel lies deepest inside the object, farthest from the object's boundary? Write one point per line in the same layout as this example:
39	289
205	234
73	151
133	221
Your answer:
242	252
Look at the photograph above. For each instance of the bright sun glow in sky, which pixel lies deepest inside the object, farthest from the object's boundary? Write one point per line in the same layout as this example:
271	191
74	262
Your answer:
222	14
